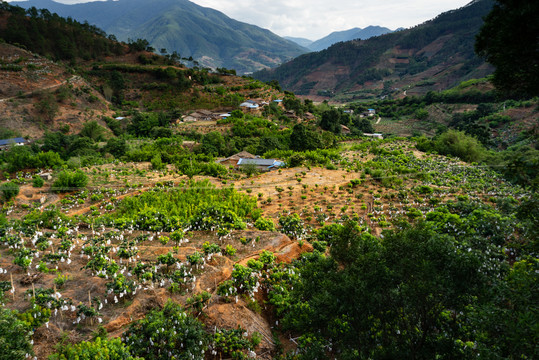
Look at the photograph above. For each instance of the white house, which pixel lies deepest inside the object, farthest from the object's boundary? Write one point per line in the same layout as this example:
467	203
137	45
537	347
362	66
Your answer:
375	136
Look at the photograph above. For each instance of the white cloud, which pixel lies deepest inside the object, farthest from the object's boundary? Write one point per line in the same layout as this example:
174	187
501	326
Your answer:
314	19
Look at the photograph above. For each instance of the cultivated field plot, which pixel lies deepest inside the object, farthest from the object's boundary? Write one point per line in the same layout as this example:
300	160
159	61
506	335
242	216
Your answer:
135	237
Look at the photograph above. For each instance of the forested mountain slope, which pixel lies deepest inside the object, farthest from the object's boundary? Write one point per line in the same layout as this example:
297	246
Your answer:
207	35
434	55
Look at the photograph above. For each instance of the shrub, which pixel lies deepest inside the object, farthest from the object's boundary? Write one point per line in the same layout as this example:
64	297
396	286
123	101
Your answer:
234	343
166	334
264	224
9	190
70	180
38	181
229	250
104	349
292	225
157	163
457	143
267	257
249	169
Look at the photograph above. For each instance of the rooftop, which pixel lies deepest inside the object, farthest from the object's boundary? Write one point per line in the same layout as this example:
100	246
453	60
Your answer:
12	141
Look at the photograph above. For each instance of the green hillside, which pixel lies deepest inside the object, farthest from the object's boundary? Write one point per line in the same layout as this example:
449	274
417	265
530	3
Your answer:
50	35
145	214
209	36
432	56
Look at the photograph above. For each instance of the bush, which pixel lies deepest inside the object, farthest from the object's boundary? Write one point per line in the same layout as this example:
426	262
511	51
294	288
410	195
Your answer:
9	190
292	226
38	181
166	334
157	163
457	143
92	130
70	180
103	349
116	147
264	224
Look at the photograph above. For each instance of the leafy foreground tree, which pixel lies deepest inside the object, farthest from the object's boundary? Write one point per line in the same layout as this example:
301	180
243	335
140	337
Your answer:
508	40
166	334
442	289
102	349
14	337
403	297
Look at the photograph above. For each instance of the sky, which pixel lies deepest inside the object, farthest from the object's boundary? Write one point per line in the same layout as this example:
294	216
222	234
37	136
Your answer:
314	19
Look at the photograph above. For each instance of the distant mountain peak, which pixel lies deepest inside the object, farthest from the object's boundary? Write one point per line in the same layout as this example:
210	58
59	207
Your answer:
205	34
347	35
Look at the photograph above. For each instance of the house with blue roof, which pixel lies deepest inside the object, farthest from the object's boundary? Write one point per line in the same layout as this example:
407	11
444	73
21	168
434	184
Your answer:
7	143
261	164
249	105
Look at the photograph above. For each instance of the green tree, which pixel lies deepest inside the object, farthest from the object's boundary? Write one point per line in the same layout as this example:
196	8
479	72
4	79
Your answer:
331	121
404	297
92	130
363	125
303	138
507	327
18	157
508	40
213	144
116	146
421	114
14	337
47	107
82	146
142	124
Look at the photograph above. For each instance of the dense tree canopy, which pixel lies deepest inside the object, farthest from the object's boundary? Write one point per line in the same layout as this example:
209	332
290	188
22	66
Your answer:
440	289
509	40
49	34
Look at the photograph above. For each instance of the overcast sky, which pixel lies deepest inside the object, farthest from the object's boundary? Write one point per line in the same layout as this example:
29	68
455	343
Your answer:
314	19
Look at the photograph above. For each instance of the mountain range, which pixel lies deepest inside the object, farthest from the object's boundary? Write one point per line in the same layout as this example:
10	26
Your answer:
347	35
435	55
207	35
300	41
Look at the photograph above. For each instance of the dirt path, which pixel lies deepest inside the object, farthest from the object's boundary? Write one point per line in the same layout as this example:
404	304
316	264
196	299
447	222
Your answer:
71	79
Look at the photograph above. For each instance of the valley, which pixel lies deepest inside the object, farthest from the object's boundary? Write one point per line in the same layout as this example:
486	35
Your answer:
156	207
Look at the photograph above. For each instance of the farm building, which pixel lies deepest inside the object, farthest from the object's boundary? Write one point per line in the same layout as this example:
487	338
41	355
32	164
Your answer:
250	105
234	159
375	136
261	164
7	143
